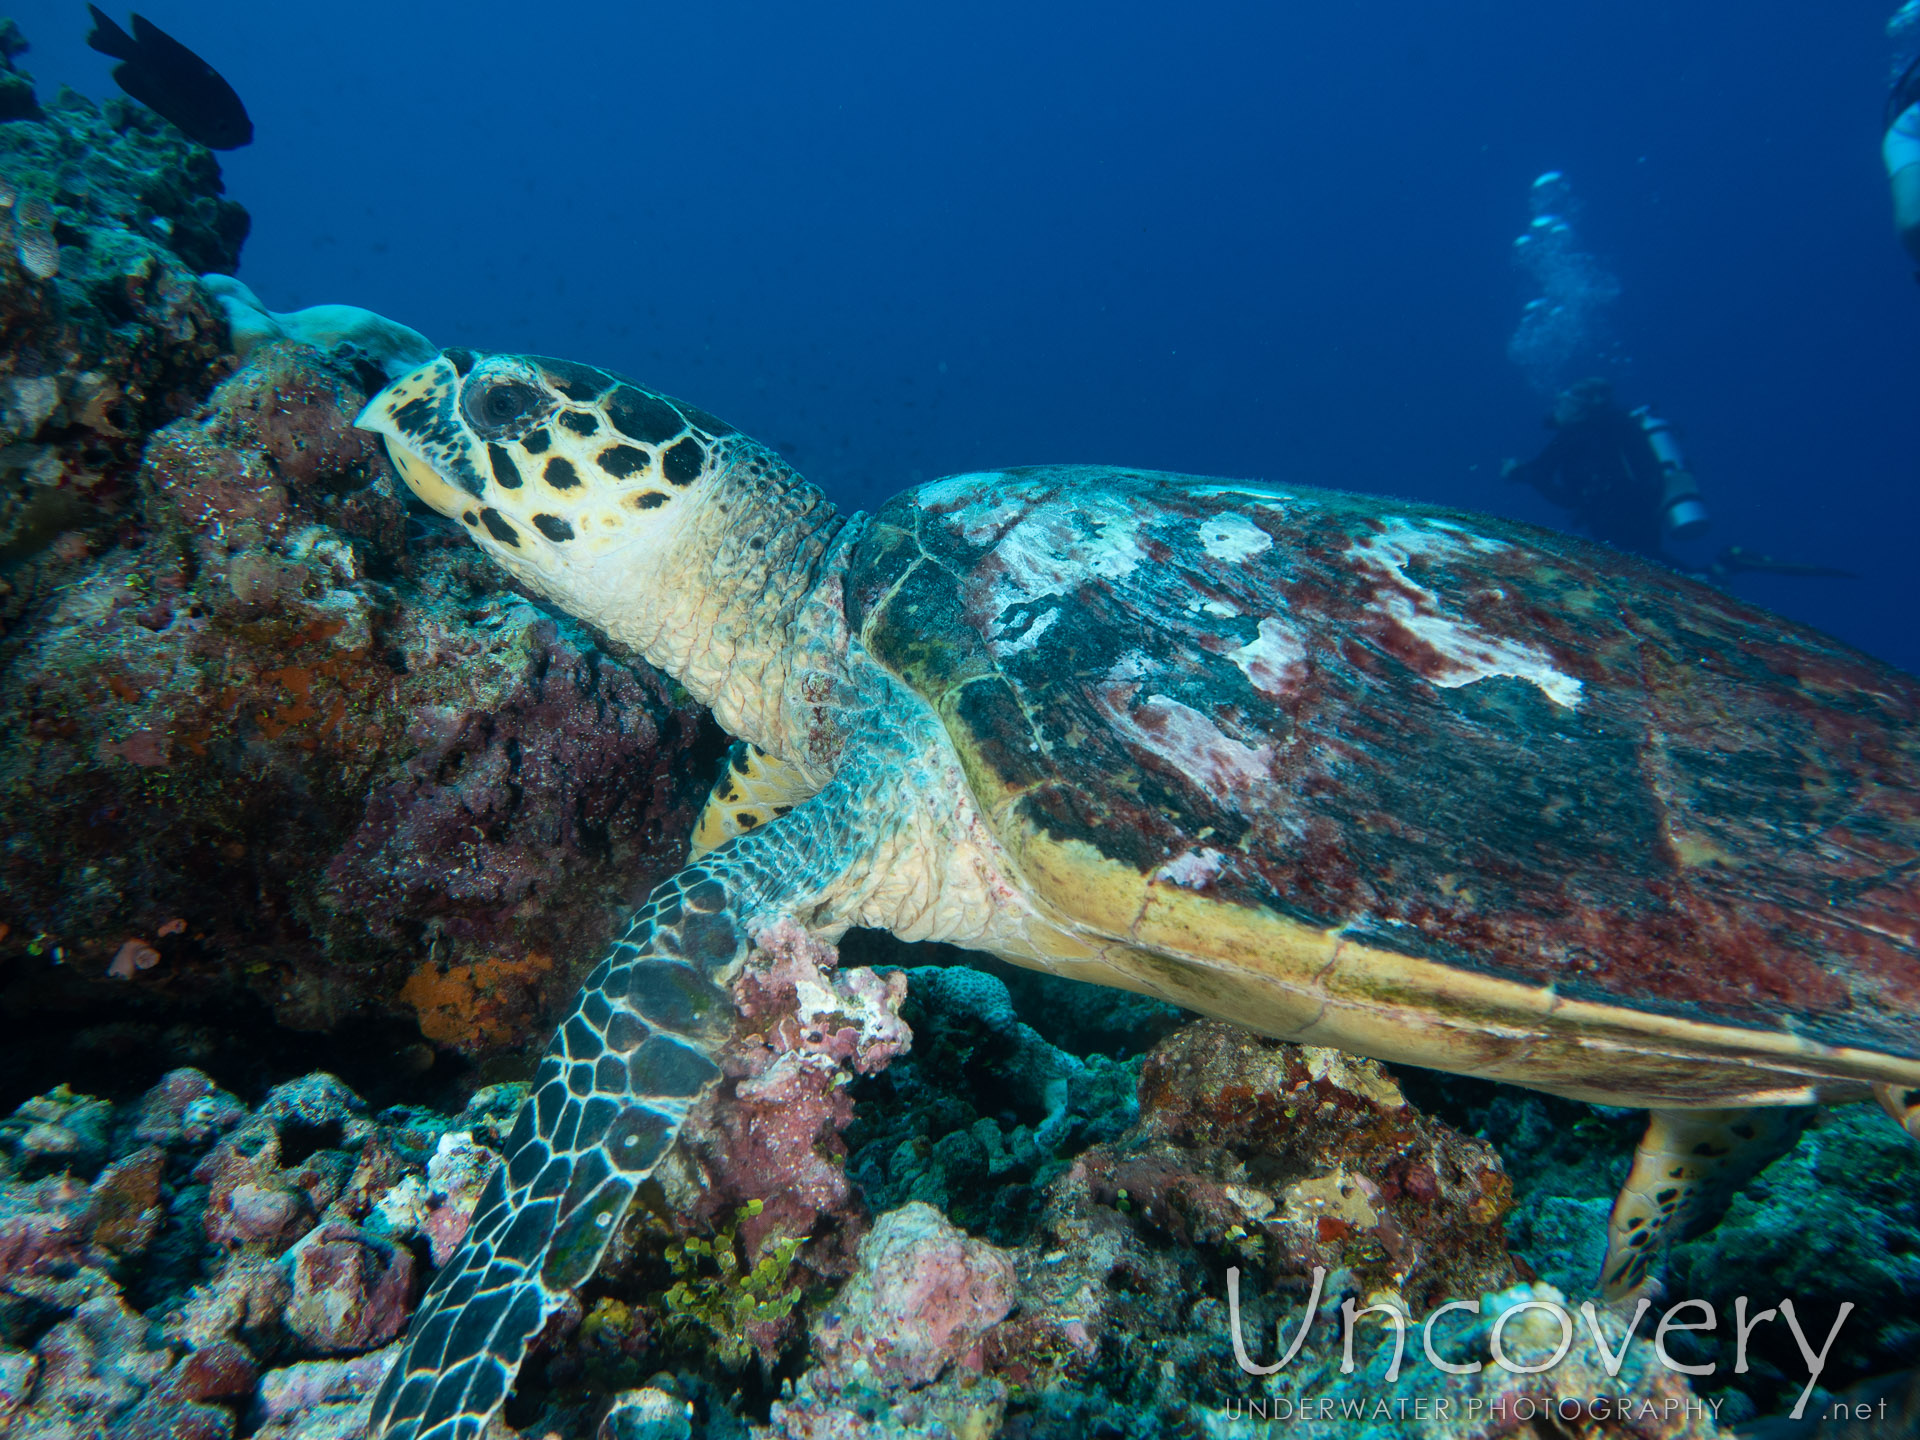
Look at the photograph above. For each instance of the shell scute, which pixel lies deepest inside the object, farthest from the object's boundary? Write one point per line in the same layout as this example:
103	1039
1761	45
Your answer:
1505	751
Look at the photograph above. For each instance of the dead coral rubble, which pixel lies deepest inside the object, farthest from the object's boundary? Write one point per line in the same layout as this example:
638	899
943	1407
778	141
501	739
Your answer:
278	1250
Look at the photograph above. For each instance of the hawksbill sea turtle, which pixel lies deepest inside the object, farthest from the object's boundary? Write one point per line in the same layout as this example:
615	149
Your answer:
1346	770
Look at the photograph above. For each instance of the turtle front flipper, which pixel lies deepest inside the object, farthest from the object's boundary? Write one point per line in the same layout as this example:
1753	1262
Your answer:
1686	1169
754	788
607	1102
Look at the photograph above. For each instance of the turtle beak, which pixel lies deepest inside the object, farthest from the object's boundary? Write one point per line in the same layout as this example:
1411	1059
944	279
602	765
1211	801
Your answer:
418	417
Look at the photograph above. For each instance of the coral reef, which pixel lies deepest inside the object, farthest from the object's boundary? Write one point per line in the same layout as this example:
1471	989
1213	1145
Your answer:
107	215
1835	1222
426	786
292	776
922	1300
758	1208
1527	1364
985	1112
1831	1223
1316	1158
899	1349
182	1263
234	666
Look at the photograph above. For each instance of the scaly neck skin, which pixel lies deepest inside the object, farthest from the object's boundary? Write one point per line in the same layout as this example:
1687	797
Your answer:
743	609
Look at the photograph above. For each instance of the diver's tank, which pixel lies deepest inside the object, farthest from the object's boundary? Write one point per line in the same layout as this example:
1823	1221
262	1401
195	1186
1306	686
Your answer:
1681	508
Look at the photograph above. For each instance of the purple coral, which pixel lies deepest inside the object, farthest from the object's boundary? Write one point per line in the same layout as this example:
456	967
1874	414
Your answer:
771	1133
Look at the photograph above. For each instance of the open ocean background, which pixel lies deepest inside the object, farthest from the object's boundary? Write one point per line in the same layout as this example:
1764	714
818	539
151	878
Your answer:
1268	240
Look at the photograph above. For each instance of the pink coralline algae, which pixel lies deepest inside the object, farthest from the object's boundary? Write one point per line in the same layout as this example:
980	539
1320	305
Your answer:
440	1206
321	1399
288	1270
57	1130
97	1377
224	1370
252	1202
925	1295
351	1290
900	1347
186	1108
457	1173
771	1132
46	1252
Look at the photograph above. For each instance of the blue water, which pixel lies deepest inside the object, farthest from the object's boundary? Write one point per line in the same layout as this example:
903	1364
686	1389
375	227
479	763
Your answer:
1252	239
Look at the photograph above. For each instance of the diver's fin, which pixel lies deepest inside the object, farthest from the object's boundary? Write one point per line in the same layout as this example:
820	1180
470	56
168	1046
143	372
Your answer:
753	788
1688	1166
1902	1102
108	38
1905	93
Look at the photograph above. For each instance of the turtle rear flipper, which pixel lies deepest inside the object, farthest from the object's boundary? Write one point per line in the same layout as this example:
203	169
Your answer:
1903	1104
607	1102
1686	1170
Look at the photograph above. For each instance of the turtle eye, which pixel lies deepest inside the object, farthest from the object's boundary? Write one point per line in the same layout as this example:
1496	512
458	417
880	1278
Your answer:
495	406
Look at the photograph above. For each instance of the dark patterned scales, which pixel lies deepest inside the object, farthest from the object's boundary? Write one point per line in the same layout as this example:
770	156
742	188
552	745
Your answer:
606	1102
1348	771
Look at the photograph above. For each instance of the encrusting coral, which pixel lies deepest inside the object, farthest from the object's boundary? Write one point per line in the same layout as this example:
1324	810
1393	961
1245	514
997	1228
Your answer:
279	1249
107	216
429	785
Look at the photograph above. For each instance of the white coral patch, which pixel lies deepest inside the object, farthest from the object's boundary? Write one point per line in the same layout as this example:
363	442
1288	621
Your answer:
1188	741
1263	496
30	402
1025	640
1212	607
1230	537
1467	652
1057	548
1192	869
1275	660
985	501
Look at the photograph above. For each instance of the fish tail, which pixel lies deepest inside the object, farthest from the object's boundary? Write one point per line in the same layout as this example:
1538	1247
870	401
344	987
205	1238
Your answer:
108	38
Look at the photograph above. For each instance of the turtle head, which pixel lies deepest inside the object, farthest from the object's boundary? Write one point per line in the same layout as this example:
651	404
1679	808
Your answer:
577	481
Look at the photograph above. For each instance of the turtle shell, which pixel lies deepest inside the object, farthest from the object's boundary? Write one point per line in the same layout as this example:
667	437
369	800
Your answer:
1433	772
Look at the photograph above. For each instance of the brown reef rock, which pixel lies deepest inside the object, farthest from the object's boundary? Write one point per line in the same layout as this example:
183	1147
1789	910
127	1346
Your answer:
107	217
419	787
1310	1157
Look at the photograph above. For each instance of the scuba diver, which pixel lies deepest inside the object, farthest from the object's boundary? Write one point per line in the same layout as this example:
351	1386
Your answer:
1623	476
1901	151
1620	472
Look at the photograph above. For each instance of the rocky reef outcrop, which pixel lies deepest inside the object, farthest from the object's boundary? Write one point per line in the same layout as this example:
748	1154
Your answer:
434	796
107	217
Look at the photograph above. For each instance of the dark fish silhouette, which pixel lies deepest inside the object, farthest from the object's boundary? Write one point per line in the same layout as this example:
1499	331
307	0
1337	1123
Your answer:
165	76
